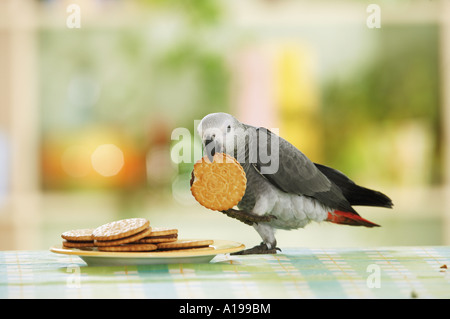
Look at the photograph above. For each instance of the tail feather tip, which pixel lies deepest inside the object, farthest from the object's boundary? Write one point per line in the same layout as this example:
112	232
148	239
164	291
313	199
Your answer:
347	218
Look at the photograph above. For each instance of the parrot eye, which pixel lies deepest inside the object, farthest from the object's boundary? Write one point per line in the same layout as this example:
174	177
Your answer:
228	128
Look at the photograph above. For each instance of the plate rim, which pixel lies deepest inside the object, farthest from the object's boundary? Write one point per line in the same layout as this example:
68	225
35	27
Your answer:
236	246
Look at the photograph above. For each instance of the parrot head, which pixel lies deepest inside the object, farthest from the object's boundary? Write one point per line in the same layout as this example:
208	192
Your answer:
221	133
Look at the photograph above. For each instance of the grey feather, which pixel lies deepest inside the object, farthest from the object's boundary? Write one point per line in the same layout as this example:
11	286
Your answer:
297	174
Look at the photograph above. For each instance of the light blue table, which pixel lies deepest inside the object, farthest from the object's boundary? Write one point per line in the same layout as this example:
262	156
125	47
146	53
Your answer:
389	272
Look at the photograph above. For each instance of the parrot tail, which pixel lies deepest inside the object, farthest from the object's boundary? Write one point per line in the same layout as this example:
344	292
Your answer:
346	218
356	195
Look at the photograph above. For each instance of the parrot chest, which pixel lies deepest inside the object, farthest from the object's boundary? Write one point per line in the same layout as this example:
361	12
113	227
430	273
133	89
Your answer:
292	211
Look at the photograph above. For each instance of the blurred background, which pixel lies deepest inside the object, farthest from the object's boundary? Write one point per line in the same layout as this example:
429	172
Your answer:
91	91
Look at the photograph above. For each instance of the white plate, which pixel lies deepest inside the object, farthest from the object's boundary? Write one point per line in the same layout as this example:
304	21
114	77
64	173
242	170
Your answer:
103	258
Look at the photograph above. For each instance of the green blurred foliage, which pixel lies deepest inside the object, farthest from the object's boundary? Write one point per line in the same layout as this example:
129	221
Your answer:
141	77
400	84
136	76
171	66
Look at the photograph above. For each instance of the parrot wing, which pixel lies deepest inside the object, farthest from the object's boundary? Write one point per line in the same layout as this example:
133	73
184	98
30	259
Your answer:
296	173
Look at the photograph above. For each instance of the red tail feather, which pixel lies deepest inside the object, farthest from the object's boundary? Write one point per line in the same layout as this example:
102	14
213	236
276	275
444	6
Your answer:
346	218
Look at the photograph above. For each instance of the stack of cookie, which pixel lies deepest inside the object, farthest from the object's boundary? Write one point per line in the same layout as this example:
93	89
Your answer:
129	235
78	238
122	235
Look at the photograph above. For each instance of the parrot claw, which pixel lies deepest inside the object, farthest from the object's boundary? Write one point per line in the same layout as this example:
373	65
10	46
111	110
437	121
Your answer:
260	249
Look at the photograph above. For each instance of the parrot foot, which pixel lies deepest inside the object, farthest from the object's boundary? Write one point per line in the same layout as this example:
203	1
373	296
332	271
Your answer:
259	249
248	218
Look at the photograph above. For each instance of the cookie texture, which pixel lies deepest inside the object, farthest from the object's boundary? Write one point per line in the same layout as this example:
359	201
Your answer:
129	248
120	229
125	240
183	244
158	239
219	185
78	235
78	244
163	231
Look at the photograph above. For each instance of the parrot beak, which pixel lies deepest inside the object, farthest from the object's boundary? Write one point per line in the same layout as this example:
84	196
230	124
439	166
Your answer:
210	149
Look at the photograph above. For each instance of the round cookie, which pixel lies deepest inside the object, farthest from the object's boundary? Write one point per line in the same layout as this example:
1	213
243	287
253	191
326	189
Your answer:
82	235
160	235
129	248
163	231
158	239
219	185
120	229
183	244
77	244
126	240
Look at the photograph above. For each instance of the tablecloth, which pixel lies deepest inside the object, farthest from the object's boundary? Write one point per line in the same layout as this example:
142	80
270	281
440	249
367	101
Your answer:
389	272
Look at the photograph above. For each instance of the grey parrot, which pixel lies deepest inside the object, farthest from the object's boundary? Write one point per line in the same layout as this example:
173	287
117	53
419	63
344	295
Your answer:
285	189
